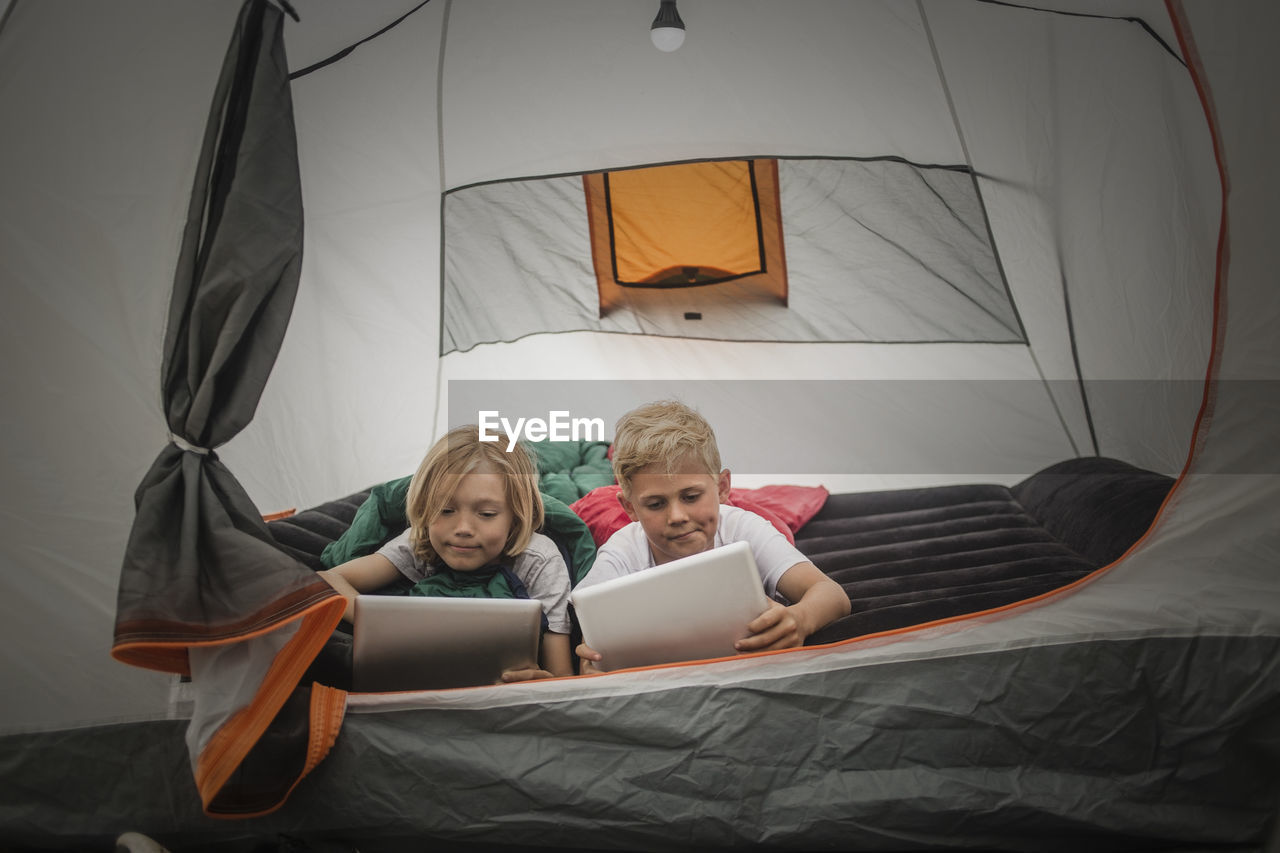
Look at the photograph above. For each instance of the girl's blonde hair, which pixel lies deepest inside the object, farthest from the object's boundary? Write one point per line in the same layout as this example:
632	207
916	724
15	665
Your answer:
461	452
662	433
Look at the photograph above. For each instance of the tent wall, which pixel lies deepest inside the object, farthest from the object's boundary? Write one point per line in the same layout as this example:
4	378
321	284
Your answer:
1065	119
1085	182
98	152
610	99
367	315
372	169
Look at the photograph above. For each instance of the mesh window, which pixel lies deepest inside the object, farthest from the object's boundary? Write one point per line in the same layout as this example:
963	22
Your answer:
876	250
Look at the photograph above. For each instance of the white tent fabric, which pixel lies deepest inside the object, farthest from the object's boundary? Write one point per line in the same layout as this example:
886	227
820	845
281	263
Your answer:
1094	149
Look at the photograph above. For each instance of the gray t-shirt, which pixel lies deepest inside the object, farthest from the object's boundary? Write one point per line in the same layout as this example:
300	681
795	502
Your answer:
539	566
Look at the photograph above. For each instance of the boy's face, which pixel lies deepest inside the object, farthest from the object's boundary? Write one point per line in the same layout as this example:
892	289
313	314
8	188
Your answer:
679	510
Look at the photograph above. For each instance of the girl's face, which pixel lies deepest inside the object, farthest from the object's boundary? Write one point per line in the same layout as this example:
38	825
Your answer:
473	525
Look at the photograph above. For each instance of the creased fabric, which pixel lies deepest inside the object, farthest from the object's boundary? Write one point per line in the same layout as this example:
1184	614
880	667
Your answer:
200	570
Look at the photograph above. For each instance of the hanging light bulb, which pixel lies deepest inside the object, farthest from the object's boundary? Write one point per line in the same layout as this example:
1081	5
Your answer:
667	30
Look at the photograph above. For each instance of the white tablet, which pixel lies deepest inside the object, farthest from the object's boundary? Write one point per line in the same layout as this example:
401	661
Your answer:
412	642
688	609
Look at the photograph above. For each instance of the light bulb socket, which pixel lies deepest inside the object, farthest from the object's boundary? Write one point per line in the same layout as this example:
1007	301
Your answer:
668	17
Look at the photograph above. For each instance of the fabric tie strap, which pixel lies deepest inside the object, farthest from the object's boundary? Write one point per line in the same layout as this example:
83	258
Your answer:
183	444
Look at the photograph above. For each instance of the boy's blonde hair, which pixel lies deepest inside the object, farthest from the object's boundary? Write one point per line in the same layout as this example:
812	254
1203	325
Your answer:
663	432
457	454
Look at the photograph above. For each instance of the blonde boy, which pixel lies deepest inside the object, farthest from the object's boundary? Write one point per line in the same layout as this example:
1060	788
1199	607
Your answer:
673	490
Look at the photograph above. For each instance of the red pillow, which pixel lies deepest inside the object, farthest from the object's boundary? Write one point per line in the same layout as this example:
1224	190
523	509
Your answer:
785	507
740	498
794	505
600	509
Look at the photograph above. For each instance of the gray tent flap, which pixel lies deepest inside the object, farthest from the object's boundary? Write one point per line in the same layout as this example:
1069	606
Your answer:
238	272
1108	745
201	571
200	565
1063	747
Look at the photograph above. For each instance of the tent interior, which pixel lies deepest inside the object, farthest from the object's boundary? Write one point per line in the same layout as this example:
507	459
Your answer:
996	236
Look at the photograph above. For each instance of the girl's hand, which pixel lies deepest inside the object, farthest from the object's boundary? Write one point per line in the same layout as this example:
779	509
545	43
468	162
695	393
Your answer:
529	674
776	628
363	574
587	660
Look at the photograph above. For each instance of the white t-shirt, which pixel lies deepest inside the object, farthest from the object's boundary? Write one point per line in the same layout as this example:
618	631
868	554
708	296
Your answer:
540	567
628	551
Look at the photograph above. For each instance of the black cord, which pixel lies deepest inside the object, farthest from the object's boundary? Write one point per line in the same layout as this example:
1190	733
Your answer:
1129	18
289	10
347	50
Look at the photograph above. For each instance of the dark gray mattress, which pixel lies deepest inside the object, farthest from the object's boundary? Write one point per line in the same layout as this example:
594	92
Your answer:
912	556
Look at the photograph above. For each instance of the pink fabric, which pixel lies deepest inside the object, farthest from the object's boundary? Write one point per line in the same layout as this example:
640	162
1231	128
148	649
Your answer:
600	509
739	498
793	505
787	508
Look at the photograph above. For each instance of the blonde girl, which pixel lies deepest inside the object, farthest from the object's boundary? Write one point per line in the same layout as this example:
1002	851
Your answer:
474	509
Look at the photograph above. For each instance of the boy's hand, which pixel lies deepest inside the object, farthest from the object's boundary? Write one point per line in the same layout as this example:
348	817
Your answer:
776	628
587	660
528	674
